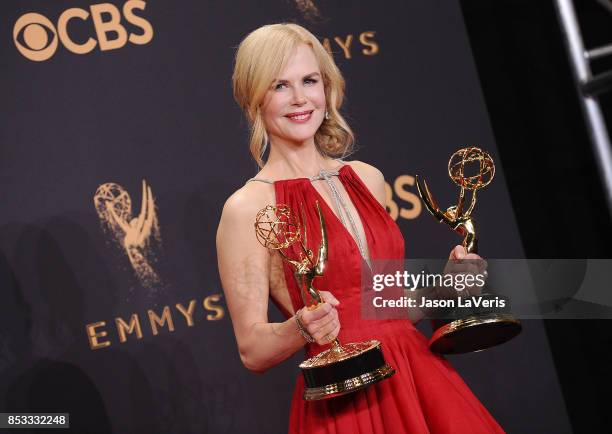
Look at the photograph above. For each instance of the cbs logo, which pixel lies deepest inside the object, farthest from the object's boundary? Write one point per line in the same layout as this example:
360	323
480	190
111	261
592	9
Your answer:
36	37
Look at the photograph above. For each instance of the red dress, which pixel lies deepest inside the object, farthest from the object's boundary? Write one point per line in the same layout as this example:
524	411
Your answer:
426	395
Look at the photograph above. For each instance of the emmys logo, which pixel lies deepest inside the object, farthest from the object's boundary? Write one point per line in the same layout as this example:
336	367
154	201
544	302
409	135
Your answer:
36	37
133	234
137	237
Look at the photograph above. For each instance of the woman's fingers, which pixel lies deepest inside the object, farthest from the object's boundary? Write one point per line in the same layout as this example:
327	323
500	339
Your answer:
309	316
315	325
460	265
328	332
331	336
321	323
458	252
319	316
470	263
329	297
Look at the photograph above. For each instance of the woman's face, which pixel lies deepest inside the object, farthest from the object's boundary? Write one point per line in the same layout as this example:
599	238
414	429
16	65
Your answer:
294	106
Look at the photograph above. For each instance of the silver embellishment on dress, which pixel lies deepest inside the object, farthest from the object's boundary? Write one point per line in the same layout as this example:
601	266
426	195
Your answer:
342	209
260	180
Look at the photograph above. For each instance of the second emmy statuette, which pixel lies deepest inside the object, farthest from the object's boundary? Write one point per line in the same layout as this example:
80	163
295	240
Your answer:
471	169
343	368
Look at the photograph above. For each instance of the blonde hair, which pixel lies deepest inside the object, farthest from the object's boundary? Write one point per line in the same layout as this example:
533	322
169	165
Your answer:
260	58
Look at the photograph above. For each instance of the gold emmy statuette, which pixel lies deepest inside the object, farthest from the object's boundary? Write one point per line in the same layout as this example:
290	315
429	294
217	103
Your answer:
478	330
343	368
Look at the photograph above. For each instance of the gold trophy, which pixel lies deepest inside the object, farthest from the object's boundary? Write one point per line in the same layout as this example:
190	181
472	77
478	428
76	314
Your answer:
341	369
479	330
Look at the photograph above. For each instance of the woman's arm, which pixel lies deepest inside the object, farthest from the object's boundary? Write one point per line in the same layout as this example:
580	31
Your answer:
244	267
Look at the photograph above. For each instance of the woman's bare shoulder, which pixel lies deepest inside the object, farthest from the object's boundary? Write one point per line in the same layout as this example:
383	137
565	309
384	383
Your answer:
247	201
371	177
365	170
368	173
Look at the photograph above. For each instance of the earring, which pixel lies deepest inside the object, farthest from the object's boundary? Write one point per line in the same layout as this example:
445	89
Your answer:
326	114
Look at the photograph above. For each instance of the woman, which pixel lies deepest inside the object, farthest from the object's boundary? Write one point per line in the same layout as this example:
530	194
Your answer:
291	91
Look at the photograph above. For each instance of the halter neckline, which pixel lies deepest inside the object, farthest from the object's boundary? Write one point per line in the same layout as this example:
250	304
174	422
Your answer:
322	175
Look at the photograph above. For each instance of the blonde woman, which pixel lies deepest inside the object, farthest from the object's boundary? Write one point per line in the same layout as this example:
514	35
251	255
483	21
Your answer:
291	91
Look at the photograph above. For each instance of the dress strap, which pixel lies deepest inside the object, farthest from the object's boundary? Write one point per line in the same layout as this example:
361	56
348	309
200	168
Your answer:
267	181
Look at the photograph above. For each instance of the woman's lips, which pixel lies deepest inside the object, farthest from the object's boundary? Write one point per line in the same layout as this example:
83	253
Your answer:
300	117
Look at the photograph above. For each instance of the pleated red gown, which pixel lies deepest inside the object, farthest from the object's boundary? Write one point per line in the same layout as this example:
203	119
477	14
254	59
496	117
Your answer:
426	395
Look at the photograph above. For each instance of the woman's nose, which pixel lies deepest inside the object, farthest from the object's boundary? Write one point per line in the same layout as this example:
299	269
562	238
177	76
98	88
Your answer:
298	97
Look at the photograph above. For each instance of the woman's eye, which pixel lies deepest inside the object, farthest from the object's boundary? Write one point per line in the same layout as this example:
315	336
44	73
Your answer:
279	86
310	81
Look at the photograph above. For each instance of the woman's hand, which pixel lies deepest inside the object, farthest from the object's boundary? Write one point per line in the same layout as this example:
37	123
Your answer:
463	263
322	322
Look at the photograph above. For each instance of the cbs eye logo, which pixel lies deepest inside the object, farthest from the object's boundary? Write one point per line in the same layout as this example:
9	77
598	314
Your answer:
36	37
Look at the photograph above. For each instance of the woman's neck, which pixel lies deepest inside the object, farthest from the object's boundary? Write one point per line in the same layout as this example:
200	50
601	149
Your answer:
288	162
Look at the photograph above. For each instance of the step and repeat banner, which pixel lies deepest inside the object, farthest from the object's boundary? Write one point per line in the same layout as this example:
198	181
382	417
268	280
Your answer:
119	143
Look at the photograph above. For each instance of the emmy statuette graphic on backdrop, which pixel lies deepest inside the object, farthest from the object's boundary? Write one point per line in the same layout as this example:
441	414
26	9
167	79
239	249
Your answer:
133	233
481	330
343	368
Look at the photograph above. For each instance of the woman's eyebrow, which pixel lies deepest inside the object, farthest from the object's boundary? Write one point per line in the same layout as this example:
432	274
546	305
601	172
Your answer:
283	80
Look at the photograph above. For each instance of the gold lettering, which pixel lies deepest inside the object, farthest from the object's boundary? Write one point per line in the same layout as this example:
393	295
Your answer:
140	22
212	304
157	321
187	313
408	196
62	30
390	203
208	305
93	335
105	27
345	45
372	47
122	327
